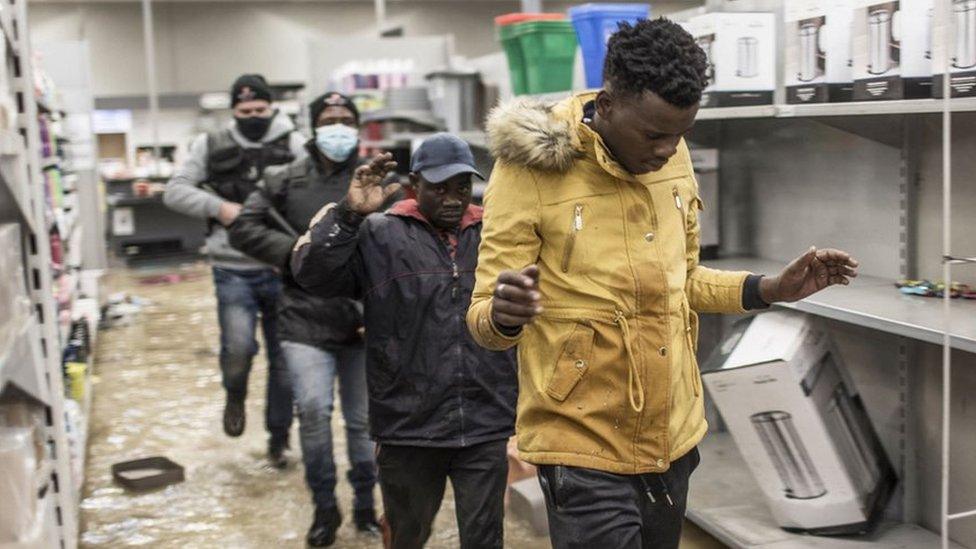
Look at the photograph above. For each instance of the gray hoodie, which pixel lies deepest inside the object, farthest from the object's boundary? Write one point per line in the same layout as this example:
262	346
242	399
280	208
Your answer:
184	195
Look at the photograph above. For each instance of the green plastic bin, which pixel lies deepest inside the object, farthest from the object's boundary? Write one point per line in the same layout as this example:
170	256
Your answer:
541	55
516	62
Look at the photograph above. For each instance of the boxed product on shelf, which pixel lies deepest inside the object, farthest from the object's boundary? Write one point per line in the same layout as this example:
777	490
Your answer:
18	485
892	49
955	20
13	288
76	429
18	412
741	52
800	425
818	62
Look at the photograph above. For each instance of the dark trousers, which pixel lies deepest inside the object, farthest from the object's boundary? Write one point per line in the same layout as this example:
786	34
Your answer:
589	508
412	480
243	296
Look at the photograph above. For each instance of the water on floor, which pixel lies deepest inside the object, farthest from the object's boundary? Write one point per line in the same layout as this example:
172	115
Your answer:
158	392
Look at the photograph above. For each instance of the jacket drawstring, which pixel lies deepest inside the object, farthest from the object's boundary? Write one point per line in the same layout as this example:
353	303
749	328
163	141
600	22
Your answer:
633	373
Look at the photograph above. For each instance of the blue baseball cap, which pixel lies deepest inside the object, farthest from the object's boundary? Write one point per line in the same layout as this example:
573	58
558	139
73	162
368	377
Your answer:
441	157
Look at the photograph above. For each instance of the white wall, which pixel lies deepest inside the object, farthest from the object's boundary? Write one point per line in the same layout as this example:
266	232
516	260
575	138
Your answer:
202	46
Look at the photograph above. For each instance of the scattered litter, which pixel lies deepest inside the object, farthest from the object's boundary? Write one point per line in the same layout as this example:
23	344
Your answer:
928	288
147	473
121	310
169	278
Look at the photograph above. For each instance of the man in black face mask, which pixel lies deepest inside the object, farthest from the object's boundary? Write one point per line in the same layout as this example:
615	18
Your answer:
222	169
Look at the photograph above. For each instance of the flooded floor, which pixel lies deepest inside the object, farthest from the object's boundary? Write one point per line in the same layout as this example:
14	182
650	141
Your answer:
157	392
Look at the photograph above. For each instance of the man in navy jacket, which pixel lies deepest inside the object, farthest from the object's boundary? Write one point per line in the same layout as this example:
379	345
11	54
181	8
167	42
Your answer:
440	405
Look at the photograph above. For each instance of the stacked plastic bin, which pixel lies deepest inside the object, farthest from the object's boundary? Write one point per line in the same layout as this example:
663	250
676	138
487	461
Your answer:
541	51
594	24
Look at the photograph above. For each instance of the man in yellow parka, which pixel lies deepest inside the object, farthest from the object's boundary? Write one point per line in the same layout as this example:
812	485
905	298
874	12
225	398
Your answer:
589	263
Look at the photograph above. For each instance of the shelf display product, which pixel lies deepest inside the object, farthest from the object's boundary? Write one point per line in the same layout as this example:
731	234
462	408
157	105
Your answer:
954	20
818	65
892	44
799	423
741	52
13	290
18	485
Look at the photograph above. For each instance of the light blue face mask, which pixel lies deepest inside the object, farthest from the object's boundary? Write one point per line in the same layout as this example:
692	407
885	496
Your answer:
336	141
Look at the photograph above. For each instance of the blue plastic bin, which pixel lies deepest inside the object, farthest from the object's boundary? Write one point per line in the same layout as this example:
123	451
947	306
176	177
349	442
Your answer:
594	24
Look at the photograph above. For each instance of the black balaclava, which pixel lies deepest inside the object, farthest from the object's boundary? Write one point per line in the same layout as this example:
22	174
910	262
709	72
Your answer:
250	87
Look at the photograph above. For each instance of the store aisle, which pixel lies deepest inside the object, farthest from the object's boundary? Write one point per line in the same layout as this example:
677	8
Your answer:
158	392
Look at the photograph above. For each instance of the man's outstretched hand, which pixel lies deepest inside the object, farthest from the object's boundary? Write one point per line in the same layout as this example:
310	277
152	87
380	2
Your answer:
808	274
366	192
517	299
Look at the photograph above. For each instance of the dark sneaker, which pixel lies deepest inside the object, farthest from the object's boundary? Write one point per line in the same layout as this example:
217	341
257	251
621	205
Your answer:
276	453
366	522
324	527
234	417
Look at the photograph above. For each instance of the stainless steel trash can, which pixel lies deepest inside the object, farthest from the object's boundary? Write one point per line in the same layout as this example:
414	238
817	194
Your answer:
879	41
748	57
788	454
809	50
964	12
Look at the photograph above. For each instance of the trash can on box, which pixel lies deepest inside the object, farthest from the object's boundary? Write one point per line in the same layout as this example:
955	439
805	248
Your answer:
541	51
594	24
800	424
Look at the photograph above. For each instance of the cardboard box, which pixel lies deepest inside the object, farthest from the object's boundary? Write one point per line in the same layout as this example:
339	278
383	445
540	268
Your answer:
741	51
954	20
892	49
819	66
800	425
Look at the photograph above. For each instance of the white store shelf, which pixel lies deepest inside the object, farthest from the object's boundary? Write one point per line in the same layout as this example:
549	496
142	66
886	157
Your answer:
860	108
726	113
18	191
875	303
851	108
22	364
7	24
725	501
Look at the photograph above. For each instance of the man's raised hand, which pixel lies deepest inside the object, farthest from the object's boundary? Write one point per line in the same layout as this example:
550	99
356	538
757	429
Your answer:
366	193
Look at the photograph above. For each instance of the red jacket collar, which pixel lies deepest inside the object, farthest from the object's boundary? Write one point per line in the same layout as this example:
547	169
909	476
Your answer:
410	208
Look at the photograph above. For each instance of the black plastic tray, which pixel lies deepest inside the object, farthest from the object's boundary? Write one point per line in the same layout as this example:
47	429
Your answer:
170	472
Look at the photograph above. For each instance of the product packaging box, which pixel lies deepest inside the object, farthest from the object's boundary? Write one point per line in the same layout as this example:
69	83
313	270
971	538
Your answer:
955	20
799	423
741	51
818	65
13	288
893	49
705	162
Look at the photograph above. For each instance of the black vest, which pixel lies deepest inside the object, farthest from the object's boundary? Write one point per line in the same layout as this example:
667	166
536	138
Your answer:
233	171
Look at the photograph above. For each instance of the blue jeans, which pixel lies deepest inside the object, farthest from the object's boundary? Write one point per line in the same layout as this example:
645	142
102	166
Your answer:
314	372
243	295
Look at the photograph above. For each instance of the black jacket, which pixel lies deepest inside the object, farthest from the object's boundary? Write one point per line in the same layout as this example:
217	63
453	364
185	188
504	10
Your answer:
296	192
430	384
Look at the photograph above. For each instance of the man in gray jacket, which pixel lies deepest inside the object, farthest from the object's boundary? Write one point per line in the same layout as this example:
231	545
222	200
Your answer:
222	169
